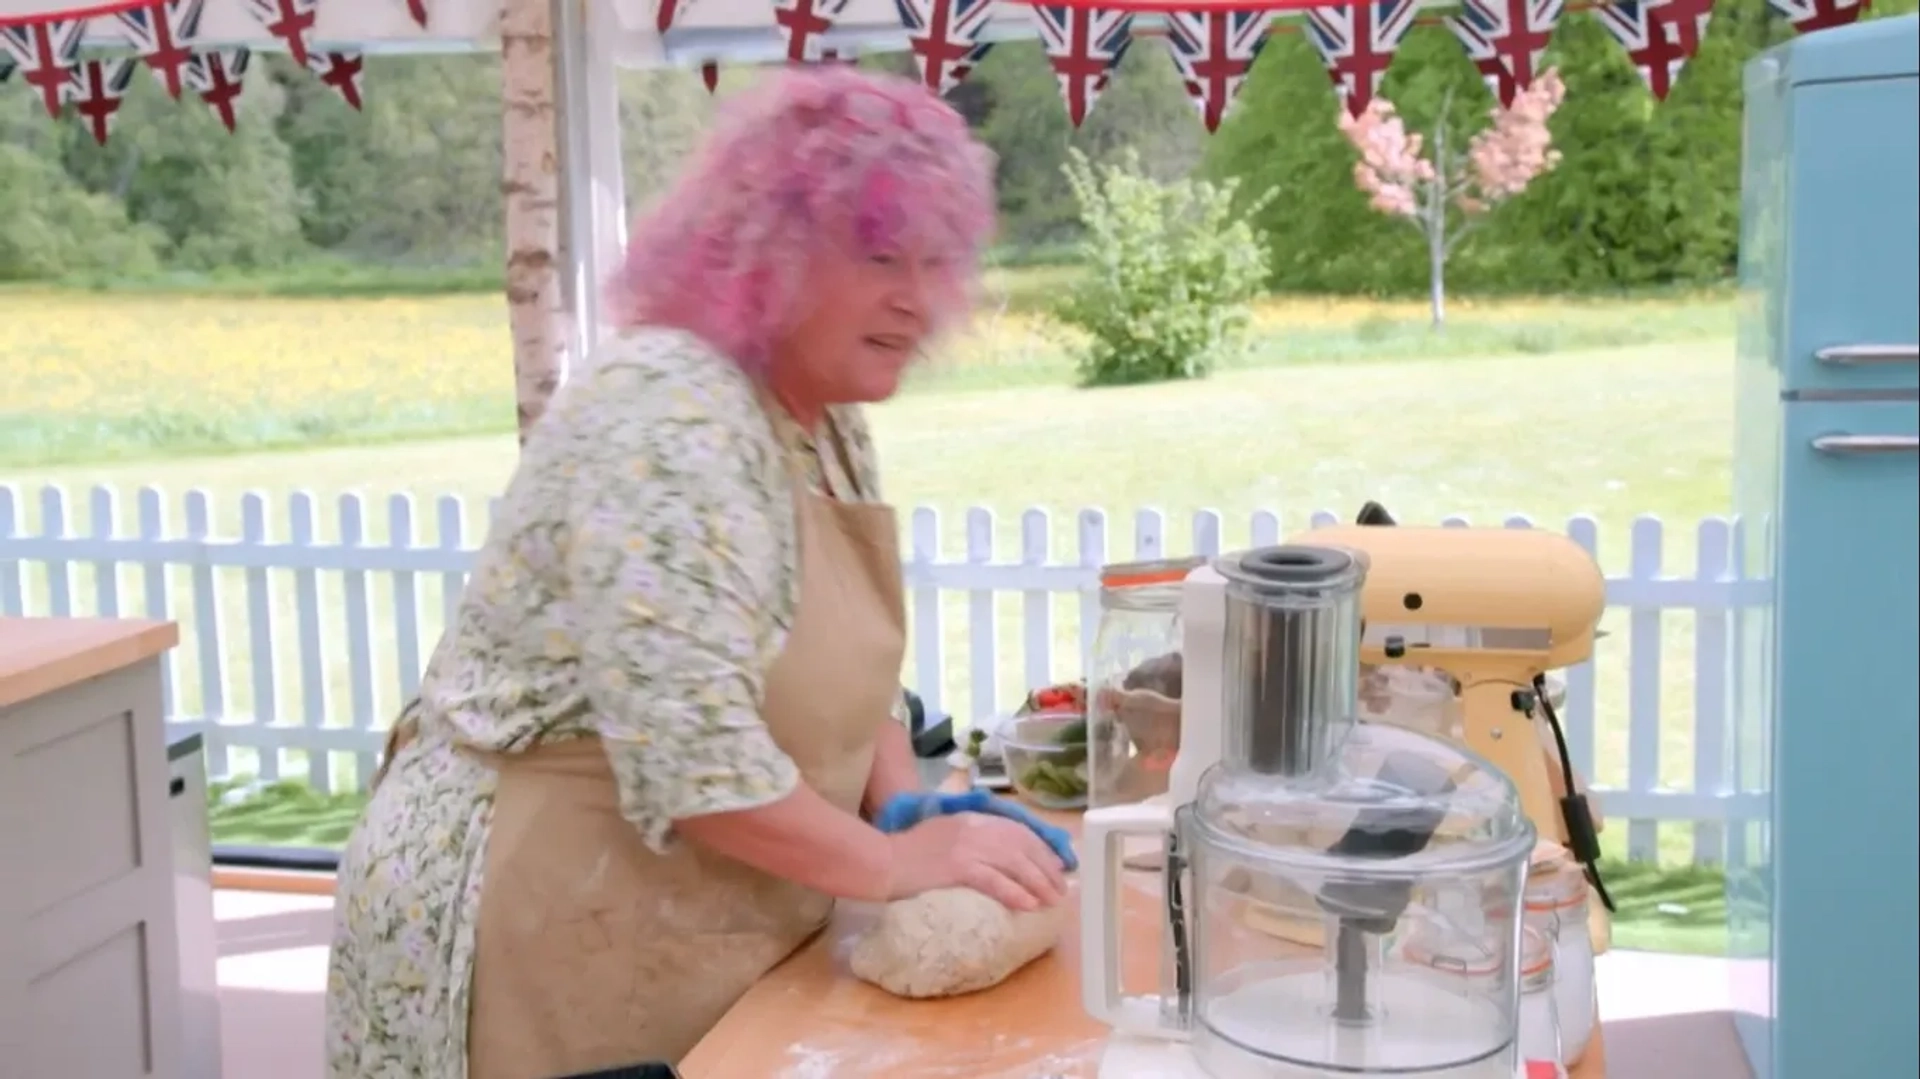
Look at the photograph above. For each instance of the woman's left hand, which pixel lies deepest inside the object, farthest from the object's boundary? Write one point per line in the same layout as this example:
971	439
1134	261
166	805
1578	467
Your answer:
903	811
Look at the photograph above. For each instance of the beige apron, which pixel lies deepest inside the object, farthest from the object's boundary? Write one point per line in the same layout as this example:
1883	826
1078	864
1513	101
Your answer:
592	951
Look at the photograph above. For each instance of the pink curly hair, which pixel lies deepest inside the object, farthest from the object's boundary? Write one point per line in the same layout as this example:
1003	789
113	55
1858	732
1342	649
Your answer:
808	159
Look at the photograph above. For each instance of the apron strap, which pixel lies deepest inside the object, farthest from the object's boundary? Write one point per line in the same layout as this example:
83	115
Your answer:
844	454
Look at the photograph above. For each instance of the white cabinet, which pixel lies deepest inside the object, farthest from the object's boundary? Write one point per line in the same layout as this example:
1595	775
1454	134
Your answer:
89	963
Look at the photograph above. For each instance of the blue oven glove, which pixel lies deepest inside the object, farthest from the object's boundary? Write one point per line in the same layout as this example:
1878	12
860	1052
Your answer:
903	811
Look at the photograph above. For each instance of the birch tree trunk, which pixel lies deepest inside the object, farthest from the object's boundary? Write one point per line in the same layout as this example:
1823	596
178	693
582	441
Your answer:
530	191
1436	227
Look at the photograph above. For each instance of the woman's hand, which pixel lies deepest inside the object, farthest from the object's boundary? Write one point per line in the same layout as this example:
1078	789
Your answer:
989	854
903	811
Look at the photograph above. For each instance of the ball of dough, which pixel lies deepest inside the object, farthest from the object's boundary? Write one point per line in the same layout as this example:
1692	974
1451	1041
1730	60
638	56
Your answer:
952	941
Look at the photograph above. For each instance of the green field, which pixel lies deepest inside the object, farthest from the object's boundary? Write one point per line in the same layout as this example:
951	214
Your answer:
1547	409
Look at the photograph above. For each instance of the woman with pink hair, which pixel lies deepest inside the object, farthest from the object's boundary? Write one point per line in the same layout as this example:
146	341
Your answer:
654	744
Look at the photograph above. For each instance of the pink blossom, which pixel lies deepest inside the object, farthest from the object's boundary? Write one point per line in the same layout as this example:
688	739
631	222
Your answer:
1398	178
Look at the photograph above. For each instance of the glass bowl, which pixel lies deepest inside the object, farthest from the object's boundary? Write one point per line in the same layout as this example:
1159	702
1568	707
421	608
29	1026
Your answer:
1046	758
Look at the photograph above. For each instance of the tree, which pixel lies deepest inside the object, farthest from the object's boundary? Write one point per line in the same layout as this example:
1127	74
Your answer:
1144	110
1171	271
530	187
1445	196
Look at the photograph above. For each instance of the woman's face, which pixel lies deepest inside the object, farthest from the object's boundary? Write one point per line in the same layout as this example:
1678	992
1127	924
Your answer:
867	318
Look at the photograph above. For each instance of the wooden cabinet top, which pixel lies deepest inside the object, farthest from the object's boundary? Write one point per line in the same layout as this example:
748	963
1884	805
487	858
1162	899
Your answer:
41	655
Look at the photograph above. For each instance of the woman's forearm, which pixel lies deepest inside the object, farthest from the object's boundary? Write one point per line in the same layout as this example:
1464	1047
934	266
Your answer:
802	838
895	771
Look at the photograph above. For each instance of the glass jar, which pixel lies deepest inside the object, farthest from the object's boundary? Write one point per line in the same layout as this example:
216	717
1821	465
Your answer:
1539	1012
1556	900
1134	681
1417	698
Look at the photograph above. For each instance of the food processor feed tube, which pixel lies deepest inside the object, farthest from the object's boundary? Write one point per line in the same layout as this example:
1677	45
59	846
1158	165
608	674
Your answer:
1369	831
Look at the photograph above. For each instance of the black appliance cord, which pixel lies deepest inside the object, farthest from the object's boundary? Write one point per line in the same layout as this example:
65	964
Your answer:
1582	838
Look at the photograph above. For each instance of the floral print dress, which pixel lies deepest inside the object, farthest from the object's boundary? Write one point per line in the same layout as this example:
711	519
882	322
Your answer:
562	567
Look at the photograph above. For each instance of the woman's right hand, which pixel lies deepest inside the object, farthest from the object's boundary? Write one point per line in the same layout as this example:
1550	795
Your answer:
992	855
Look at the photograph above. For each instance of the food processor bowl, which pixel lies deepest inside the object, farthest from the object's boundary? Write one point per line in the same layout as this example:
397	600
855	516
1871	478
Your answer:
1303	894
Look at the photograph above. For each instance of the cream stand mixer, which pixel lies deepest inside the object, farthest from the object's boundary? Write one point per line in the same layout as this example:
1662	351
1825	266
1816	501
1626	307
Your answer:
1280	802
1494	608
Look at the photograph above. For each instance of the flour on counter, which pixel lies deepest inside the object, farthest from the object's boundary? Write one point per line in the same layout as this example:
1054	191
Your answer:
810	1063
851	1057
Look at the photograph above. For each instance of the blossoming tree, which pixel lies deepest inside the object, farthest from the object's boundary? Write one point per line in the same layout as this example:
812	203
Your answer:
1447	193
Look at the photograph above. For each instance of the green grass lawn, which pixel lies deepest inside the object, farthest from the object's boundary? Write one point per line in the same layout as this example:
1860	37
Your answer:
1539	408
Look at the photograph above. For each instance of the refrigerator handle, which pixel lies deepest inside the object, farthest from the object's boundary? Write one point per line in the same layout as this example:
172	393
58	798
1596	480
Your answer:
1862	445
1867	355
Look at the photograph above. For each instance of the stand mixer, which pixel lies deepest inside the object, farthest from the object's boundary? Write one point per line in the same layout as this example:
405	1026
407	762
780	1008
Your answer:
1495	608
1281	803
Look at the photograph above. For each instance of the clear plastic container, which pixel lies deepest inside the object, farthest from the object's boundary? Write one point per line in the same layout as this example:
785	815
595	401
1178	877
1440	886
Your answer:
1046	758
1134	682
1557	907
1416	698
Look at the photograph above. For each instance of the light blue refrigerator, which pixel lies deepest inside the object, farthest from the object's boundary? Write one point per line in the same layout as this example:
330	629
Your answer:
1826	699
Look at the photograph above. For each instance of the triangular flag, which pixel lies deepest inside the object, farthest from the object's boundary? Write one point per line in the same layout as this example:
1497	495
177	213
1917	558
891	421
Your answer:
289	20
43	52
1505	39
1660	37
1357	42
1213	51
340	70
163	34
801	22
95	88
1810	15
219	77
944	36
1084	45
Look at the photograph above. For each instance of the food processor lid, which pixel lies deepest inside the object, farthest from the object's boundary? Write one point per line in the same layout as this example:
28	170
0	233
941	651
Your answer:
1282	573
1390	804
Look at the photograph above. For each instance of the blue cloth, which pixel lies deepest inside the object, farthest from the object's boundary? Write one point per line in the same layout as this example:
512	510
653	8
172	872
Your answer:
903	811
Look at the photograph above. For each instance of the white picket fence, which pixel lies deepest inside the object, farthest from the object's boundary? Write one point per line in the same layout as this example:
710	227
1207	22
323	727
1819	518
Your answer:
364	601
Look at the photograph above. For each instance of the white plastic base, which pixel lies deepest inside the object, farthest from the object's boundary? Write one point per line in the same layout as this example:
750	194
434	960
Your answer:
1141	1058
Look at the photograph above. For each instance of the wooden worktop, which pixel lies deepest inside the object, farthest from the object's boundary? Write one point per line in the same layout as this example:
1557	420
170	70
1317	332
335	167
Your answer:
810	1019
41	655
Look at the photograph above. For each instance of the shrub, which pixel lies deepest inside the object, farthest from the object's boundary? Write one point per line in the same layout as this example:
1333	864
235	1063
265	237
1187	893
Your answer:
1170	270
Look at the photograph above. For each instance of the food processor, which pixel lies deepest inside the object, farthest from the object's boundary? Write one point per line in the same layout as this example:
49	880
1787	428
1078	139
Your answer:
1381	836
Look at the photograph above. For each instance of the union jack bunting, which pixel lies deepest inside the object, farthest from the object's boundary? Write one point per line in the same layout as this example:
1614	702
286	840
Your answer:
945	38
161	34
1659	37
341	71
95	88
1214	50
1357	42
289	20
1084	45
668	11
6	67
1810	15
218	77
1504	39
801	22
43	52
